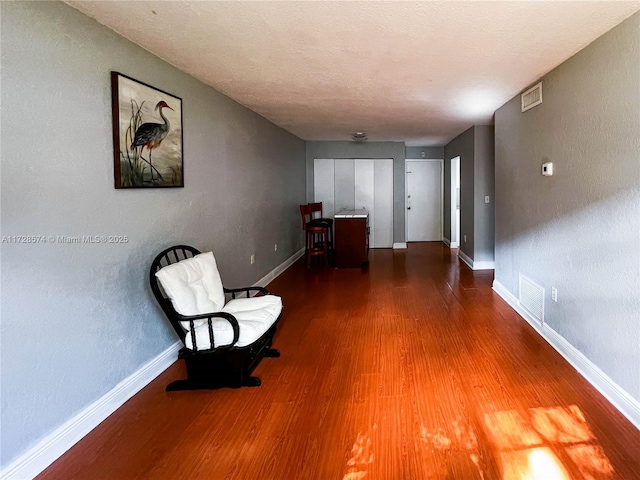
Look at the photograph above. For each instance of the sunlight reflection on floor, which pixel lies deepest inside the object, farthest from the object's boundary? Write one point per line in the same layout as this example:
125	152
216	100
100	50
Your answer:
510	430
564	425
361	457
559	429
592	461
466	441
533	464
538	444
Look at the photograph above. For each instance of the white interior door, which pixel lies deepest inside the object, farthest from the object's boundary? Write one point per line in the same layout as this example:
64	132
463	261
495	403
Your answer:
424	200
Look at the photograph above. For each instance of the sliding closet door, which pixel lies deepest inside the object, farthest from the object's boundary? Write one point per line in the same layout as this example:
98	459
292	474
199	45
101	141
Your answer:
364	193
323	185
355	184
383	203
344	184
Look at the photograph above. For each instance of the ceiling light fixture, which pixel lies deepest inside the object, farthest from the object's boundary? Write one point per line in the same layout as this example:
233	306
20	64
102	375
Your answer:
359	136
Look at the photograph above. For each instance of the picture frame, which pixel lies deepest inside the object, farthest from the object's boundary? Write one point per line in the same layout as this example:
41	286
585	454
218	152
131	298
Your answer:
147	135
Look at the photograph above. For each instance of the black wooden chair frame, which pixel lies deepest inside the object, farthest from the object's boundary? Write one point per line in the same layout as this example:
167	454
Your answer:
223	366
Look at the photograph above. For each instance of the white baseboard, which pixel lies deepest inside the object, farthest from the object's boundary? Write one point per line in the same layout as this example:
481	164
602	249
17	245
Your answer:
479	265
616	395
446	241
399	245
271	276
454	245
484	265
51	447
463	256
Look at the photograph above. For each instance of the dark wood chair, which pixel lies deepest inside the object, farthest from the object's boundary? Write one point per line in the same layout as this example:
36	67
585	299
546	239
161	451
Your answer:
317	218
316	237
215	366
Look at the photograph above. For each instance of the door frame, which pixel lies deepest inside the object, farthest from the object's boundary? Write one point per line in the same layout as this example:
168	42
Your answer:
406	212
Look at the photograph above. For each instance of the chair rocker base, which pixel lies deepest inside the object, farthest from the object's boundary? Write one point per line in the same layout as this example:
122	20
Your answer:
225	368
180	385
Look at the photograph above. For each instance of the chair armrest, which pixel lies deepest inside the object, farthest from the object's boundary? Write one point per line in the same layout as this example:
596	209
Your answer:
209	317
246	290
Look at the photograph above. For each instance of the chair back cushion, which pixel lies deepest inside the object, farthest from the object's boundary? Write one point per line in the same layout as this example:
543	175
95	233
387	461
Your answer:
193	285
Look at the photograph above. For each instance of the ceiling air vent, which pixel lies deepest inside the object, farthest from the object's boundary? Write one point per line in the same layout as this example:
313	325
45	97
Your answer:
359	137
531	97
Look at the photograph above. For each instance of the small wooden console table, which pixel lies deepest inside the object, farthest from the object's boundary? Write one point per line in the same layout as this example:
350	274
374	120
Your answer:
351	230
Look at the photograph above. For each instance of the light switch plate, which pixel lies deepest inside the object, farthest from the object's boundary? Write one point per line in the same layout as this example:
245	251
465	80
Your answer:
486	199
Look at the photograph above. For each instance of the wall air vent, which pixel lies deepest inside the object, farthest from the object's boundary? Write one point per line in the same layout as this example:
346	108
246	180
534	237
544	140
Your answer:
531	97
531	298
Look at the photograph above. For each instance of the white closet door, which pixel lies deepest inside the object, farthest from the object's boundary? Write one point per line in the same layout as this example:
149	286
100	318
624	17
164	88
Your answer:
323	184
383	204
355	184
364	192
344	193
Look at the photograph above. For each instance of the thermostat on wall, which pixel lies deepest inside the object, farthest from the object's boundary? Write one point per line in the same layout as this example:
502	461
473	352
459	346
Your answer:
547	169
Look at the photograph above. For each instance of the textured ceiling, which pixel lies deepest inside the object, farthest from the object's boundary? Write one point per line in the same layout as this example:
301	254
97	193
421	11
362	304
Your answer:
420	72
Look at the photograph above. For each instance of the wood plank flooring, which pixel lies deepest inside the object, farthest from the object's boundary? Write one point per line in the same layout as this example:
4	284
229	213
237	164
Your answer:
411	369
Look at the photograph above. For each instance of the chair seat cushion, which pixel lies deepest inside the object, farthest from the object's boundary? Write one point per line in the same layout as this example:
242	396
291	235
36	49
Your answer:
322	222
255	316
193	285
271	304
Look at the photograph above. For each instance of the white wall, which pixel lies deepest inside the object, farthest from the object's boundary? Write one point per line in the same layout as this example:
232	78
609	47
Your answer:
579	230
78	319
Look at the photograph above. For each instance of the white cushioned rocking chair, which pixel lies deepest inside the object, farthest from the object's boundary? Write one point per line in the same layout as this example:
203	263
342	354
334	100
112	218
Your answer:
223	341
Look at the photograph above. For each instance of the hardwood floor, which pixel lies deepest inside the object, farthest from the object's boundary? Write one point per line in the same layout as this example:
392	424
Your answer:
412	369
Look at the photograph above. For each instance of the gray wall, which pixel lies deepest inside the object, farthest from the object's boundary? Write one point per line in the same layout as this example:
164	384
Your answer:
475	147
78	319
394	150
433	153
483	184
463	146
579	230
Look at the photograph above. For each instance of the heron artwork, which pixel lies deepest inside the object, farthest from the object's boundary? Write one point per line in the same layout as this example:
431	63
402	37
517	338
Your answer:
150	135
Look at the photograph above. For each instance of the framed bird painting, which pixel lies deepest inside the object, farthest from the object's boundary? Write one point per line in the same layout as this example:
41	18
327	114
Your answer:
147	135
